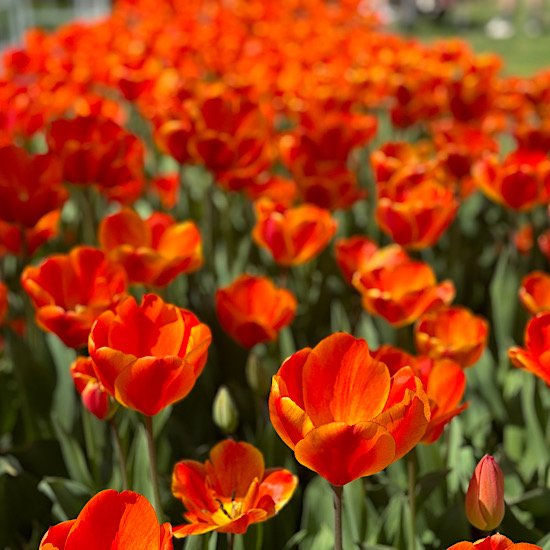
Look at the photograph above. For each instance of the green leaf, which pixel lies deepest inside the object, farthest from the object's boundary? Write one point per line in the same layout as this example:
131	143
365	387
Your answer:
68	496
73	455
141	481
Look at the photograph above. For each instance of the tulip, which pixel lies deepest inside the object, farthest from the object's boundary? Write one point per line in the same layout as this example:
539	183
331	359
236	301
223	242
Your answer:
494	542
230	491
148	356
292	235
400	289
444	382
534	356
534	292
341	411
253	310
152	251
224	411
353	254
94	396
520	182
70	291
114	521
485	496
452	332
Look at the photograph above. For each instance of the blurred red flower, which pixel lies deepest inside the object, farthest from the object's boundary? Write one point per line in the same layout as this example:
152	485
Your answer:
292	235
253	310
94	396
534	292
70	291
152	251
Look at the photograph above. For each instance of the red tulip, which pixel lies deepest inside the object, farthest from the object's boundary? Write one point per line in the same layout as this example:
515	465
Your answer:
253	310
494	542
148	356
341	411
114	521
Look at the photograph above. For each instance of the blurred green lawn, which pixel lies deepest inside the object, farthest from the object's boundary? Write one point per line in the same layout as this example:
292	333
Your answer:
523	54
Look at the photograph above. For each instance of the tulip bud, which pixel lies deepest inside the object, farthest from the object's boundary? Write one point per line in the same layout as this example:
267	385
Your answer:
257	375
224	411
485	495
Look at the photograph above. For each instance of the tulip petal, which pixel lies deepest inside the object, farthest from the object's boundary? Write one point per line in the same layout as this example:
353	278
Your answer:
342	453
56	536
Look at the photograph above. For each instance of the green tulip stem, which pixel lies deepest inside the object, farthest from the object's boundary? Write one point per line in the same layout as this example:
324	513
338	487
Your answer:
230	540
120	454
338	504
411	474
153	465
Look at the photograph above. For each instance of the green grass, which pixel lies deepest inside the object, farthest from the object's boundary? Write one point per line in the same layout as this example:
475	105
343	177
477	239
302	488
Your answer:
523	55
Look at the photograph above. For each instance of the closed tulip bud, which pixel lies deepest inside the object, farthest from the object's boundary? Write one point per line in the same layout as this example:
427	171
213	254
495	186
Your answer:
485	495
224	411
257	375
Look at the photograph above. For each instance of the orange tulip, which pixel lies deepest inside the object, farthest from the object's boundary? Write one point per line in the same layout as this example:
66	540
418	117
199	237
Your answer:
230	491
31	197
97	151
94	396
534	357
253	310
148	356
523	239
485	496
544	243
400	290
153	251
353	254
111	520
494	542
70	291
415	216
341	411
167	188
292	235
534	292
520	182
444	382
452	332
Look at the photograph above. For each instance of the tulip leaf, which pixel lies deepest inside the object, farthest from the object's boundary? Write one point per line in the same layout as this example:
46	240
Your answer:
68	496
64	399
141	481
426	485
73	455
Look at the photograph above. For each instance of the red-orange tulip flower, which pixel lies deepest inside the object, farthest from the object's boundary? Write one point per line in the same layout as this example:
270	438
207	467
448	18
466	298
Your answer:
494	542
416	215
153	251
148	356
484	502
230	491
453	333
253	310
31	197
341	411
292	235
114	521
523	239
444	382
70	291
400	291
94	396
97	151
520	182
534	292
352	254
535	357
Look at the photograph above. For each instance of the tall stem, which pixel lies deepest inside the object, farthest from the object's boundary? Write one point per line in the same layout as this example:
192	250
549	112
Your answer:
153	465
230	541
338	501
411	474
120	454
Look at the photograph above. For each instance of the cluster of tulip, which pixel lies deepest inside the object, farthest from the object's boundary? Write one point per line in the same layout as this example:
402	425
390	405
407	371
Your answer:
171	179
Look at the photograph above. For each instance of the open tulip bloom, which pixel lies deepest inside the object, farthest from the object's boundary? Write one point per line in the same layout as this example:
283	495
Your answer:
230	491
341	411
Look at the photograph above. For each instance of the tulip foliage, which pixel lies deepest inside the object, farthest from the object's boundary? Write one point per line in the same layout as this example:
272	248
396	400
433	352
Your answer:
258	259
